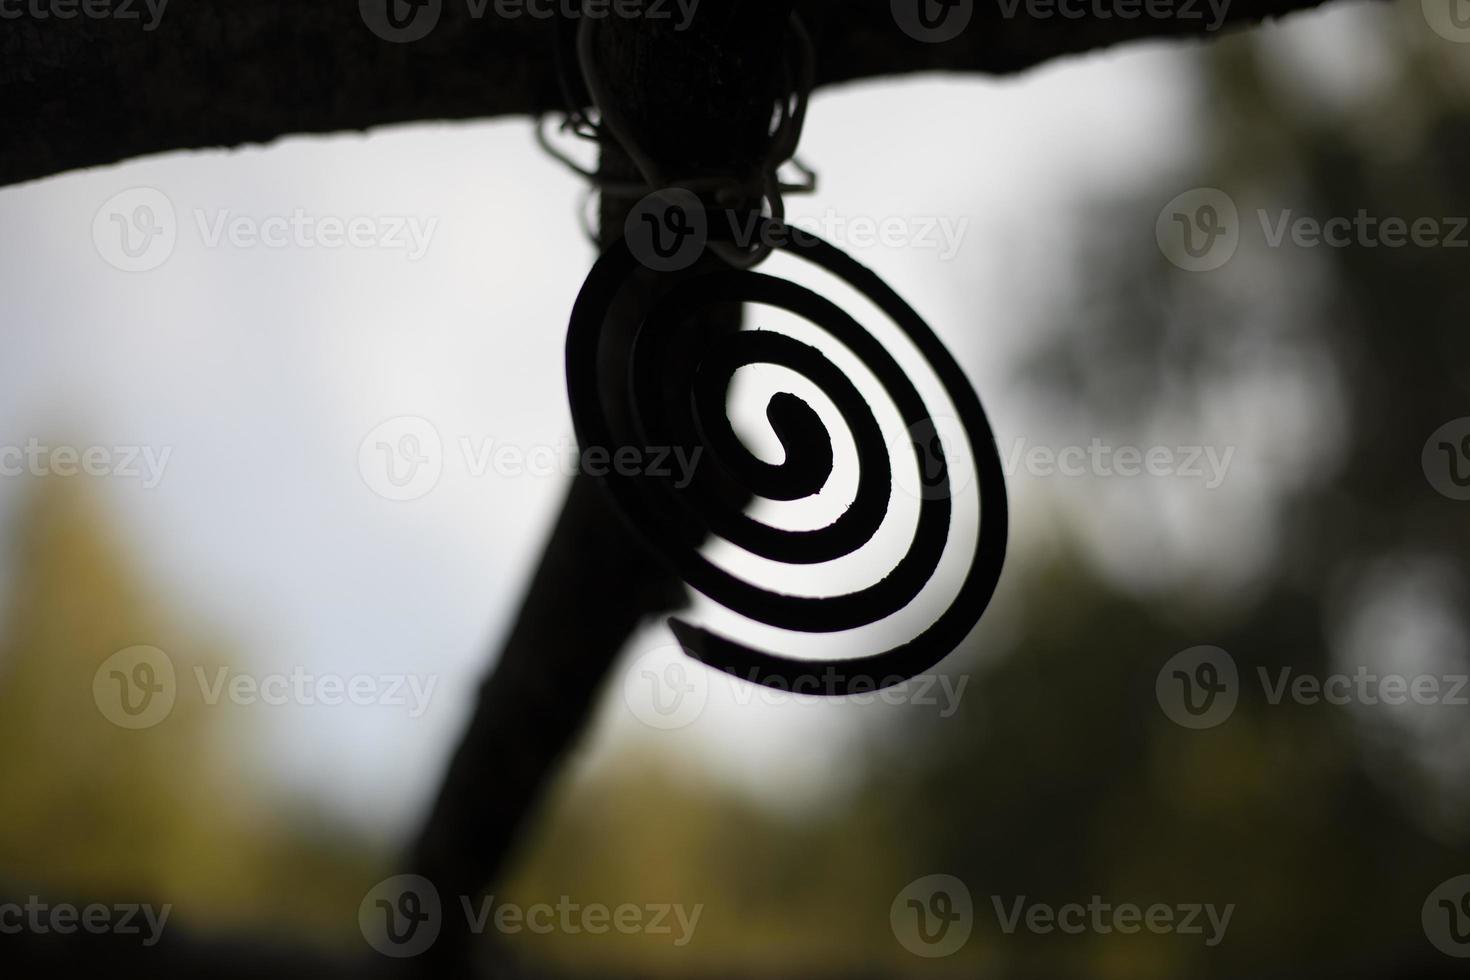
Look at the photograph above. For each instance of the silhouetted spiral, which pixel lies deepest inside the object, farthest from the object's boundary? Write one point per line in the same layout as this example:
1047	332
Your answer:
645	370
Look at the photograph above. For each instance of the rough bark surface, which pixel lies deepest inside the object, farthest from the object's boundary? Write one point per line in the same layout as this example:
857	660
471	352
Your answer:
80	92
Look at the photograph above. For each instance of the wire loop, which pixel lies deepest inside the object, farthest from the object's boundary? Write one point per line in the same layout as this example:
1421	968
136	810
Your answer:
762	189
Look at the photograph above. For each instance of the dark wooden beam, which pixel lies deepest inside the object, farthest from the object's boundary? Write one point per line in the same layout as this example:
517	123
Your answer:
80	92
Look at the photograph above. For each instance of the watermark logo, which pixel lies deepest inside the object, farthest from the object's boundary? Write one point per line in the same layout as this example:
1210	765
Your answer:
570	918
1362	230
144	463
1446	917
405	21
136	230
933	916
303	688
1187	11
942	234
87	9
1198	688
667	231
401	21
402	459
1364	687
1446	459
1450	19
39	918
1105	918
1209	464
135	688
933	21
409	234
508	460
935	478
138	687
1199	230
401	916
665	690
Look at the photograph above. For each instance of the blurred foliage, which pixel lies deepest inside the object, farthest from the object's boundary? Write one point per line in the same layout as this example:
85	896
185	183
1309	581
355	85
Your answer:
166	814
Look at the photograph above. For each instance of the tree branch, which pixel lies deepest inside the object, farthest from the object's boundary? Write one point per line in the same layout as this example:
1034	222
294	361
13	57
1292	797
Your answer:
81	92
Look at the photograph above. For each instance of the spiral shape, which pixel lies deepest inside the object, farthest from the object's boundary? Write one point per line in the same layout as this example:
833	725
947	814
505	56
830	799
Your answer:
670	388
